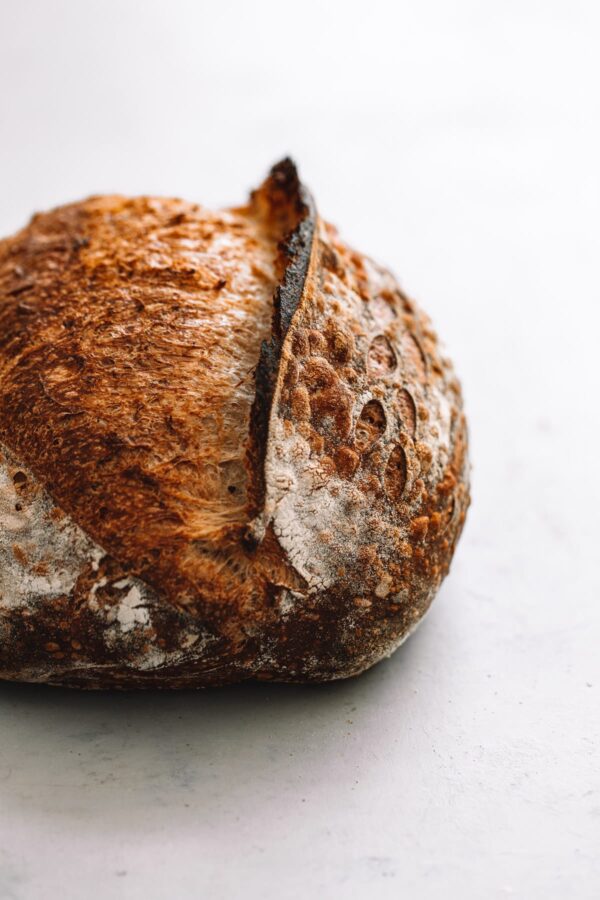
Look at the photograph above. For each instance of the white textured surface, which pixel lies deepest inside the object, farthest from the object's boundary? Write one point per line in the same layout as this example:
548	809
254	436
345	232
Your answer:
458	143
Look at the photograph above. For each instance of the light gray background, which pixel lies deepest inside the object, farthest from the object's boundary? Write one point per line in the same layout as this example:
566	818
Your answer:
460	144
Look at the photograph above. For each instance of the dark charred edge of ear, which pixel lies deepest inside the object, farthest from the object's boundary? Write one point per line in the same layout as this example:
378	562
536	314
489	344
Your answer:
289	207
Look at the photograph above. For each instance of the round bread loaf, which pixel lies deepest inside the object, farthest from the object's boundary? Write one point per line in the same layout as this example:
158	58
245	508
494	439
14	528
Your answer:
229	447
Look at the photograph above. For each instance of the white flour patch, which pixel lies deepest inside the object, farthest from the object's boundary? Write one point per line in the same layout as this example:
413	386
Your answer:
302	502
289	600
131	611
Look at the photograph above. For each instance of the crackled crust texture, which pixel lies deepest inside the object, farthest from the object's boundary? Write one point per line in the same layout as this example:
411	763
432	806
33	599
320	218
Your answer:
229	447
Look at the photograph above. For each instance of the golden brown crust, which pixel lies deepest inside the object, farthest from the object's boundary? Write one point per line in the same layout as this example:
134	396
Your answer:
131	330
244	415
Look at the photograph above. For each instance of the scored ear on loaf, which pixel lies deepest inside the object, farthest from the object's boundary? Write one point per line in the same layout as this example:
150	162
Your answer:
230	447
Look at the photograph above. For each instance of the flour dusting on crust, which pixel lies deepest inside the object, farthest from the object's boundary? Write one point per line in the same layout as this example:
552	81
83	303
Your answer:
246	453
47	564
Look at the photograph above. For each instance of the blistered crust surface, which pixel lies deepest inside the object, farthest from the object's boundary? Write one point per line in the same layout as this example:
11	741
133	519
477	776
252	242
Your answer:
366	468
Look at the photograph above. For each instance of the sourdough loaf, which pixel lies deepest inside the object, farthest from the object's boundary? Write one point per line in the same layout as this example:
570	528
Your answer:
230	447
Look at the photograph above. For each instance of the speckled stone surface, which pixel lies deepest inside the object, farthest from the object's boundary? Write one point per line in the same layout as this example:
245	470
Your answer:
467	765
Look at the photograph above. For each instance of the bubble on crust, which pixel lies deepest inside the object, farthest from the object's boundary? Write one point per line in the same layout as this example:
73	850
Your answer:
381	359
370	426
412	355
292	373
425	455
396	474
317	343
300	345
332	411
347	462
382	311
408	411
447	514
319	373
340	341
300	404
